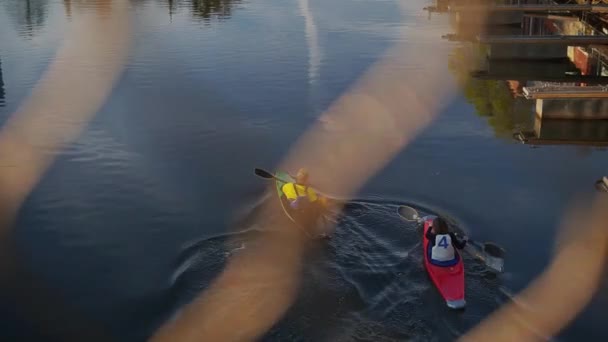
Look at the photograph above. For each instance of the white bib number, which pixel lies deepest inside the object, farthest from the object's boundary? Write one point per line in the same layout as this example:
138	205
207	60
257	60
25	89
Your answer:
443	249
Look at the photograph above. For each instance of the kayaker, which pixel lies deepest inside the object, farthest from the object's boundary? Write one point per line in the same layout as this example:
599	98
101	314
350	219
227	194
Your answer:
442	243
299	194
304	200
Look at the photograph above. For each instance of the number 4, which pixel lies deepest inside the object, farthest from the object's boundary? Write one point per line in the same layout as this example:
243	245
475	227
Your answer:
443	242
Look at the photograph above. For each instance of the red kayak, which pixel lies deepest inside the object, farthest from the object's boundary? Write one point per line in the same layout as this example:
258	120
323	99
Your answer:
449	280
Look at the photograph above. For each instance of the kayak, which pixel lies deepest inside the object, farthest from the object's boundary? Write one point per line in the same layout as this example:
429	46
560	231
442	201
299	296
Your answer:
449	280
285	203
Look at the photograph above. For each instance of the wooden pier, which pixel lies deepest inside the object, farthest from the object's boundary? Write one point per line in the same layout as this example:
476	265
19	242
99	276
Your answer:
565	92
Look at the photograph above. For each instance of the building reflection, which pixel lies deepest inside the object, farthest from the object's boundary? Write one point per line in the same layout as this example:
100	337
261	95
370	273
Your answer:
571	132
541	93
29	16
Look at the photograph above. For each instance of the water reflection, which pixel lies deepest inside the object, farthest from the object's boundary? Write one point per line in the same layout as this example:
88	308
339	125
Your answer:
132	302
524	88
76	83
312	38
68	7
572	132
205	9
29	15
493	99
1	86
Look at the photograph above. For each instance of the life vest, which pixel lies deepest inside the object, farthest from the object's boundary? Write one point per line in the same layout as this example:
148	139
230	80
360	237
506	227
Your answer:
443	249
293	191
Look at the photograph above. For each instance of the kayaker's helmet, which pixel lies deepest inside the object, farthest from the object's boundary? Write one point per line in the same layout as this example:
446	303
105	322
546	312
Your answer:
440	226
302	176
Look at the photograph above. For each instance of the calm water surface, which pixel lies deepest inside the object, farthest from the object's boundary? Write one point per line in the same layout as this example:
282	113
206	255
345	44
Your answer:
131	221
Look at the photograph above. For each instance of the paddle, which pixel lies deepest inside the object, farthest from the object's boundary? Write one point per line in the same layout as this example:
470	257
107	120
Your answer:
491	254
409	214
268	175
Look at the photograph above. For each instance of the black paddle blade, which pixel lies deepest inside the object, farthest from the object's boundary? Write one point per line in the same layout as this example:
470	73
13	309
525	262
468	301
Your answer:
408	213
263	173
602	184
493	250
494	257
495	264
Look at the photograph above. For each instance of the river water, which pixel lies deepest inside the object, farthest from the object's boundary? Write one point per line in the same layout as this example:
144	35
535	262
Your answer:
132	219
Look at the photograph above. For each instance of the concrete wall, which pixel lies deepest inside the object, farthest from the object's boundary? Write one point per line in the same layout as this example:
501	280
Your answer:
587	109
571	130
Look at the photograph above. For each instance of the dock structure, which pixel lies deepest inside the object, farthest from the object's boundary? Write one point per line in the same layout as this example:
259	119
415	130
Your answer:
587	79
555	54
558	17
599	8
575	108
538	75
537	47
565	40
522	69
565	92
565	132
527	52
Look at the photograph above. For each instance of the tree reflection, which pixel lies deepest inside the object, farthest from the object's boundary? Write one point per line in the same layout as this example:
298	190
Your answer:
205	9
68	7
491	98
29	15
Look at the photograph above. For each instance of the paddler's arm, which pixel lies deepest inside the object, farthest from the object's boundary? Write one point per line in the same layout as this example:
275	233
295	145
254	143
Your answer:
430	236
458	243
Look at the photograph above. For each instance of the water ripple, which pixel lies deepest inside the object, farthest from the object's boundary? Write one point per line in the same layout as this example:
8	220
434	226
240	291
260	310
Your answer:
363	277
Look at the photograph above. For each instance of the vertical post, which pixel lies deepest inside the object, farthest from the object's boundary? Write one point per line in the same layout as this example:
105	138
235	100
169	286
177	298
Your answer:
1	86
539	108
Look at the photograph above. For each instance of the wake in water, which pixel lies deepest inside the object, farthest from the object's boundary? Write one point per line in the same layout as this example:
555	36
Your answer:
366	283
